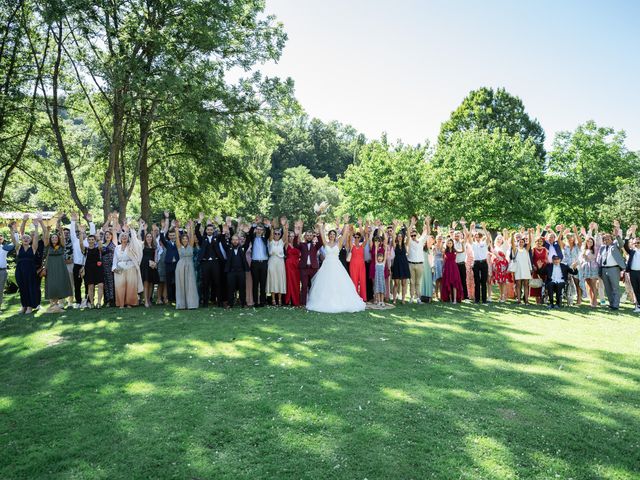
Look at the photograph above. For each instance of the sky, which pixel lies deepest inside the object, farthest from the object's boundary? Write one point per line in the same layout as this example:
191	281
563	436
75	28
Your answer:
402	66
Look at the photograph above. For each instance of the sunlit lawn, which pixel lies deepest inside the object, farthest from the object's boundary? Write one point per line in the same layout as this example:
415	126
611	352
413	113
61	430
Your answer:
417	392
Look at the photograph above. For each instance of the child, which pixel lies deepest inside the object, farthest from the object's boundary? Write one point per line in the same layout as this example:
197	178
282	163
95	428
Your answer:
379	280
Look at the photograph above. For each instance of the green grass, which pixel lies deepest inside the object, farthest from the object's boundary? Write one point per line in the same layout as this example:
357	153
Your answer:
437	391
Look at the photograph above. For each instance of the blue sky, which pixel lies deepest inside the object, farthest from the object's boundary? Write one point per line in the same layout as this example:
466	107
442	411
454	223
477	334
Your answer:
402	66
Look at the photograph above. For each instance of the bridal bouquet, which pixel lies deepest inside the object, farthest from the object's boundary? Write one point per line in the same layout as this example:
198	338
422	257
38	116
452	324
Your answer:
321	208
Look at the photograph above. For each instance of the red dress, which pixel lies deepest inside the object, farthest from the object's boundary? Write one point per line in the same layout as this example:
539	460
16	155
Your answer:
539	263
292	268
357	270
500	273
450	278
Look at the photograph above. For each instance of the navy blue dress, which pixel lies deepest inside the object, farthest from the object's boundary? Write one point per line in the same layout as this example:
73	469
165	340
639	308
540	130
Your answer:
27	278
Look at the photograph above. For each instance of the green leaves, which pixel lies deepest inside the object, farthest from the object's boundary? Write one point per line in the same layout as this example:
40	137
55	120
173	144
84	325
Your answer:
486	176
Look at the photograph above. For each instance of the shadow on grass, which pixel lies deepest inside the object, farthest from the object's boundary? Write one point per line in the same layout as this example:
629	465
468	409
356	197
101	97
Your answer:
415	392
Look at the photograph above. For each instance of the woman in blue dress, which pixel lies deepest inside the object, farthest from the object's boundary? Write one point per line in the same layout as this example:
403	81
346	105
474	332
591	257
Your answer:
26	275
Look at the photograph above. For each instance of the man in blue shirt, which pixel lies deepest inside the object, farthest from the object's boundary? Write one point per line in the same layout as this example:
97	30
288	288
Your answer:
258	237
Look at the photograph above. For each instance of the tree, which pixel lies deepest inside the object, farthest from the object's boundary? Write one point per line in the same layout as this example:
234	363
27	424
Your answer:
324	148
624	205
151	76
585	169
387	181
18	90
489	109
298	191
487	176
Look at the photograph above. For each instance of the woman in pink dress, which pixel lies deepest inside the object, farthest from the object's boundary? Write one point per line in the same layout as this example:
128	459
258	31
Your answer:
451	287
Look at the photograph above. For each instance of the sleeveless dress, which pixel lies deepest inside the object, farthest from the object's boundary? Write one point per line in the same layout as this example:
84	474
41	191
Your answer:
400	269
109	285
539	262
332	290
426	287
292	268
93	267
186	286
26	278
276	271
57	284
523	264
500	264
450	278
147	273
438	261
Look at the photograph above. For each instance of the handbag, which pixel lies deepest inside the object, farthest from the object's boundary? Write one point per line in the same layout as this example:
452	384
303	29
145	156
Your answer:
535	283
42	271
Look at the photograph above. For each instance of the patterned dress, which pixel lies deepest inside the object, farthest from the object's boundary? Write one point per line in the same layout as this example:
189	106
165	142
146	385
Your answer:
109	286
500	266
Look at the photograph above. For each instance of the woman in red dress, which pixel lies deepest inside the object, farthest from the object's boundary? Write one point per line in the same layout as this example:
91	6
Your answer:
451	287
357	268
539	264
292	268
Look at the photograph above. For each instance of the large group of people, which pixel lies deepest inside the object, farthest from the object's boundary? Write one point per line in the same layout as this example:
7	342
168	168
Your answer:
342	267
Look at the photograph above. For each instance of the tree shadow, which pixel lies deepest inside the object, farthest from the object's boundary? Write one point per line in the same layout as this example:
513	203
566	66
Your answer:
434	391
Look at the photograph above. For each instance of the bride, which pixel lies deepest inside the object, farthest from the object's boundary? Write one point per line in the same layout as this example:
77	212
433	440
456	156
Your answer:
332	290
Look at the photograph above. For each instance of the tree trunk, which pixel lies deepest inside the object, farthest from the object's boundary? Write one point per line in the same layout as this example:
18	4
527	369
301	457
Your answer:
145	201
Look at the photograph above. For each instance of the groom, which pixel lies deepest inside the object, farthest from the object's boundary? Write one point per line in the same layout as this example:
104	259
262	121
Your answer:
308	260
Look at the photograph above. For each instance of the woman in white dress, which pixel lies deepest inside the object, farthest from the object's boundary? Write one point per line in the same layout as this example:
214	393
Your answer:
276	272
520	256
332	290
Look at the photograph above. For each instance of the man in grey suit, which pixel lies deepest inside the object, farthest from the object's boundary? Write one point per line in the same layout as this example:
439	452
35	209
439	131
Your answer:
611	261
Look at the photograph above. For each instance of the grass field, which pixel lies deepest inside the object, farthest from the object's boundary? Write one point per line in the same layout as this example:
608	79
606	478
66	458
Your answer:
435	391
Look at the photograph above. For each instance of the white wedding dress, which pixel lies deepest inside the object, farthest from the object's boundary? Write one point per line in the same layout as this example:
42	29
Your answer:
332	290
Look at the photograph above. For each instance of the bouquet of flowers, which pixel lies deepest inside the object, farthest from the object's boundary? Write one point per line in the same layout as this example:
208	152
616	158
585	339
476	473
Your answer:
321	208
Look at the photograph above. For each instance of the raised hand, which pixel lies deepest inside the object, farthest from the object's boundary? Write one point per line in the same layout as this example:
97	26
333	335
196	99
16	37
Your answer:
88	217
166	214
74	217
283	221
345	218
228	220
200	217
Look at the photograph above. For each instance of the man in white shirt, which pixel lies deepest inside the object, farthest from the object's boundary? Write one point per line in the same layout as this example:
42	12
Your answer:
461	261
5	249
78	259
415	256
480	245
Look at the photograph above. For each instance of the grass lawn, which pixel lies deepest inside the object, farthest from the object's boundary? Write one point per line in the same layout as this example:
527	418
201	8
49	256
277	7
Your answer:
435	391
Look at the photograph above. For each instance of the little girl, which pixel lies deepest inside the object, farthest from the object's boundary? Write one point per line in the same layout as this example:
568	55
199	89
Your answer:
379	282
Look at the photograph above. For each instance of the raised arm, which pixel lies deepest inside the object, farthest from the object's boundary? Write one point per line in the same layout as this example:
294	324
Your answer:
45	232
346	235
487	235
323	235
36	237
531	237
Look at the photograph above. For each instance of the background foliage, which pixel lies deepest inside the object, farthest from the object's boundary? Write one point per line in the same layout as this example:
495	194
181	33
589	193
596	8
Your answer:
145	106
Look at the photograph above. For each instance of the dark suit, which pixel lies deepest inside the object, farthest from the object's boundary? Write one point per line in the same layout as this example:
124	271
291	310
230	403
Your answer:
557	288
634	275
210	259
308	264
171	258
236	267
259	267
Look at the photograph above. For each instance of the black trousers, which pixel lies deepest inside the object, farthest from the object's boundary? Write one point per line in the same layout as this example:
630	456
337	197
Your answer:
368	281
480	277
77	283
462	268
170	274
634	278
555	289
259	277
210	283
236	282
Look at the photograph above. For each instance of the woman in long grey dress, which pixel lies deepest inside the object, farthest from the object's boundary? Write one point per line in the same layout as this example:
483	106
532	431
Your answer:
186	285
